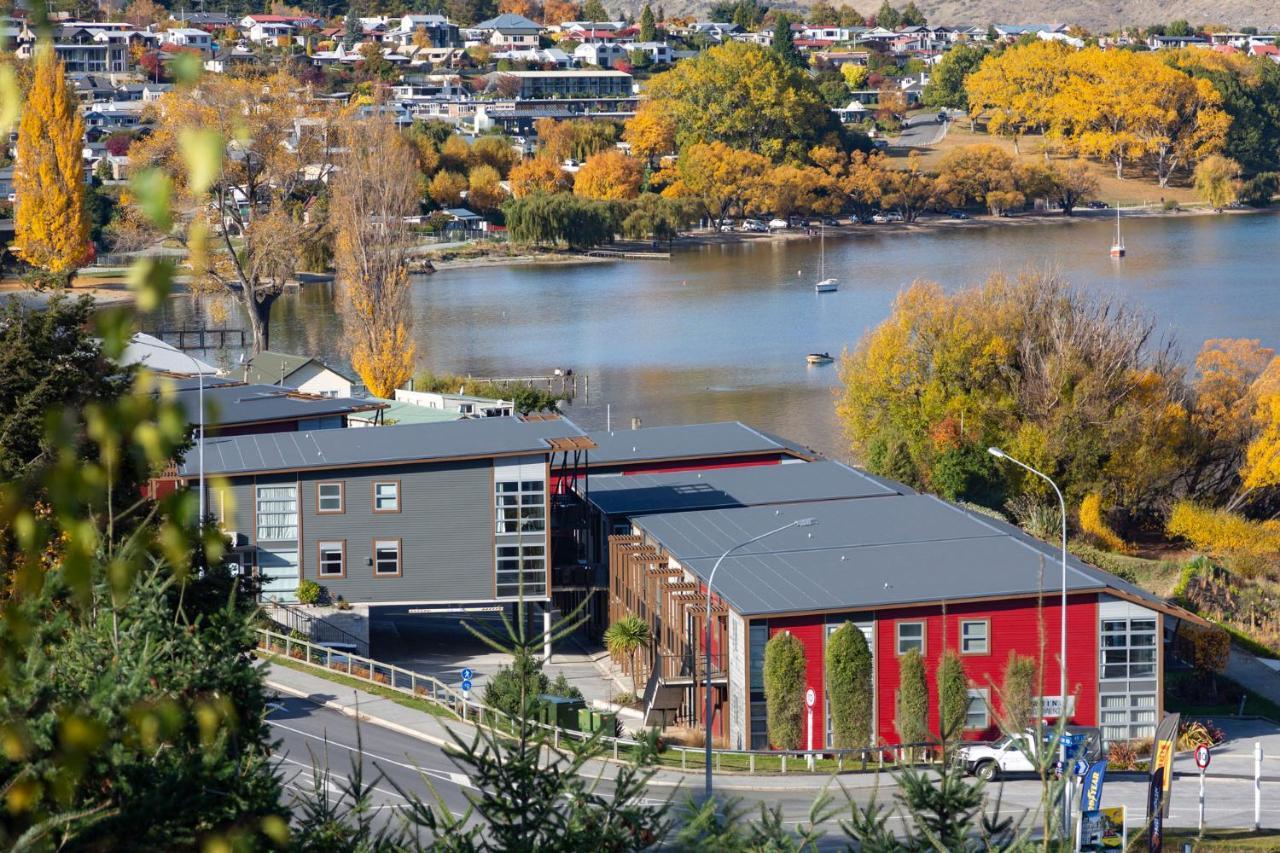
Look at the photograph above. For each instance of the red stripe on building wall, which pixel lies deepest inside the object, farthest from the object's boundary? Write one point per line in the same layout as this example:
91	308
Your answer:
809	630
707	464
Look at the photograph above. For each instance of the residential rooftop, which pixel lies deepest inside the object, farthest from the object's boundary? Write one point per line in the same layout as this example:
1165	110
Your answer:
687	441
232	403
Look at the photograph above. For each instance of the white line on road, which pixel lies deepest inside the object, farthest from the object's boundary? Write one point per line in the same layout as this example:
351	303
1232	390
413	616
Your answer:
445	775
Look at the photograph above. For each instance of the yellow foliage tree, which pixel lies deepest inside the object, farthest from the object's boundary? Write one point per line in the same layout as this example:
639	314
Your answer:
608	176
1016	89
651	132
485	193
1262	458
446	188
1248	547
1217	179
1095	526
718	178
855	76
538	175
50	222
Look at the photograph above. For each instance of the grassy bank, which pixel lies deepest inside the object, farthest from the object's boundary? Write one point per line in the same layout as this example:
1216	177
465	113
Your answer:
357	684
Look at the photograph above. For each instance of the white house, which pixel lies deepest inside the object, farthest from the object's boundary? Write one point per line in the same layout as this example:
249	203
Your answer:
603	54
188	37
300	372
660	53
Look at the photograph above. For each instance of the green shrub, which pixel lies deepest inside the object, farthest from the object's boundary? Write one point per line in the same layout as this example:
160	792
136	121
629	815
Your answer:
1018	690
1204	647
309	592
953	695
848	673
1171	205
911	714
561	687
1260	189
516	689
1110	563
968	474
784	674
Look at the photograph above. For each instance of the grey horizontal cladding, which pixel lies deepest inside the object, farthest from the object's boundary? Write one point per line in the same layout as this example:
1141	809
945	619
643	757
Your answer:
730	487
445	526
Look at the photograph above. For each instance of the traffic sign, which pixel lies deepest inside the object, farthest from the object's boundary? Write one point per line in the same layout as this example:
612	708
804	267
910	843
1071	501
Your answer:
1202	756
466	675
810	698
1081	767
466	685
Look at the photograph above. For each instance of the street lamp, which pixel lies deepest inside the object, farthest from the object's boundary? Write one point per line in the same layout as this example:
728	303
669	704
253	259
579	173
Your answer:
800	522
1062	664
200	449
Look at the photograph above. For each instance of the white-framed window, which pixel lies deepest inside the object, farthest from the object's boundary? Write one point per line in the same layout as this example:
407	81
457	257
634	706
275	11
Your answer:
977	714
1128	649
522	569
386	557
386	496
975	637
277	513
330	497
521	506
333	559
910	635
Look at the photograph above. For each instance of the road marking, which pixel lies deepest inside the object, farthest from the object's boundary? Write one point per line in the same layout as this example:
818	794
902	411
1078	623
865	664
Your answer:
444	775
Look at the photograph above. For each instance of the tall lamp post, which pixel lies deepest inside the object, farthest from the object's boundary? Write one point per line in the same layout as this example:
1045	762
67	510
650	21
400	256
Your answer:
800	522
200	449
1062	616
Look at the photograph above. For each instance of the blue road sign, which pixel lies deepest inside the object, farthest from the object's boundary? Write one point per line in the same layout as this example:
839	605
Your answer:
1081	767
466	675
466	685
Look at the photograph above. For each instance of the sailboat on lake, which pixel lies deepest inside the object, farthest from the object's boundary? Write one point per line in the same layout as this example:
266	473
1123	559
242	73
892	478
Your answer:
1117	248
824	285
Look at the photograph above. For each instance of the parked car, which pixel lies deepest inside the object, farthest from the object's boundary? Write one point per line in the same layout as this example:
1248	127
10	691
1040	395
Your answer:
879	218
727	226
754	226
881	144
942	116
830	220
957	214
1097	205
1010	754
778	225
894	216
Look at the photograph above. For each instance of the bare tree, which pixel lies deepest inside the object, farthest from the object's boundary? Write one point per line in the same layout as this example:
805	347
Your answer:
372	193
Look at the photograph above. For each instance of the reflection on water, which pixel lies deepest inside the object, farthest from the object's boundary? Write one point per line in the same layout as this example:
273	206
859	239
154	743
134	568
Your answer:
721	332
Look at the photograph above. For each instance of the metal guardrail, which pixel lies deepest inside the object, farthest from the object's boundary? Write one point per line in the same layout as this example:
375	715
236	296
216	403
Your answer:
430	688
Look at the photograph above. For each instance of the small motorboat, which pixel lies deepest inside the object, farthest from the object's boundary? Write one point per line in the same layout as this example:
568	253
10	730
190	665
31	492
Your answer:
819	358
1117	248
827	285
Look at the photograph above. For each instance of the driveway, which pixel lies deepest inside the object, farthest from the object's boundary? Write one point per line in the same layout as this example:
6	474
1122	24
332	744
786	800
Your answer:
921	131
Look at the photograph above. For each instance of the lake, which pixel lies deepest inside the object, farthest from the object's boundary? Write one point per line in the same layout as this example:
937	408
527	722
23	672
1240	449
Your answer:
721	332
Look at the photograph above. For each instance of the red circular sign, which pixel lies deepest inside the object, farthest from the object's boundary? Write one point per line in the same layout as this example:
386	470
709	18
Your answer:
810	698
1202	756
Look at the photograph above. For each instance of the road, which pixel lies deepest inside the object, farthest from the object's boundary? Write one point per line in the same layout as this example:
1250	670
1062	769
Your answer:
920	131
308	733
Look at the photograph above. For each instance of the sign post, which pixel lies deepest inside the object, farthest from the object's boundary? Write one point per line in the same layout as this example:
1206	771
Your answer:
466	684
1257	785
1202	761
810	699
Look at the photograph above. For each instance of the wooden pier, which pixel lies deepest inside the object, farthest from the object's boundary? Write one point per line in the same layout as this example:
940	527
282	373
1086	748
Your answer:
203	339
563	382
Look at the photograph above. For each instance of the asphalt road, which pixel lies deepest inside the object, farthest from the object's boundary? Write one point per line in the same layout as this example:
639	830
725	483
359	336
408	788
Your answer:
920	131
311	735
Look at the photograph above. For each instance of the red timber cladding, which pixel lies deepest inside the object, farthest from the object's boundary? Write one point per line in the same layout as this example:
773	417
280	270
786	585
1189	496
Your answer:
809	631
254	428
706	464
1014	626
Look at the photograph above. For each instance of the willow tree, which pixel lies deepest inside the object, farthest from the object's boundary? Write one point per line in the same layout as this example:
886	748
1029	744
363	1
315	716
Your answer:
371	198
51	227
849	687
260	204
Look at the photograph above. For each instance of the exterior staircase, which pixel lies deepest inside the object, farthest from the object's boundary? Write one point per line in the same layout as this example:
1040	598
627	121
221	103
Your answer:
315	628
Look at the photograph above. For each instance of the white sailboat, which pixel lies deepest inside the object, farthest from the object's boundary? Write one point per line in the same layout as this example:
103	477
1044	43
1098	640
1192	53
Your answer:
824	285
1117	248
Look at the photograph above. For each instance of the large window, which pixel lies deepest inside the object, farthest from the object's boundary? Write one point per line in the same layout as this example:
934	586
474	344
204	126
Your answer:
522	563
386	558
333	559
910	636
758	635
277	513
330	498
1128	648
521	506
386	496
520	528
975	637
977	714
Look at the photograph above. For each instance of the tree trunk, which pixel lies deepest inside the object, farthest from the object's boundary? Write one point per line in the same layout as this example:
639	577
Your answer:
258	308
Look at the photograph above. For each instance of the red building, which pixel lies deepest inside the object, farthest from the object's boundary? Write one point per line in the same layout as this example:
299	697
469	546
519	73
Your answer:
911	571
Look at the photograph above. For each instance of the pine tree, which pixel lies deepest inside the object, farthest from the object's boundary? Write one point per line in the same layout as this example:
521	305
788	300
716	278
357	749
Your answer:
784	45
593	10
354	29
51	226
648	27
912	16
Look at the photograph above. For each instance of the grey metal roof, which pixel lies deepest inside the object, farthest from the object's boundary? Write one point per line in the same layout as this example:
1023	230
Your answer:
687	441
866	553
274	368
228	405
721	488
339	448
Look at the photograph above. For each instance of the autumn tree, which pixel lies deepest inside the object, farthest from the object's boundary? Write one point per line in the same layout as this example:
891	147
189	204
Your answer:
557	11
978	174
259	182
717	178
651	132
446	188
855	76
539	175
1217	181
368	210
609	175
946	86
908	190
51	227
1074	184
747	97
494	151
648	28
788	189
527	8
143	13
574	140
861	177
1015	90
484	190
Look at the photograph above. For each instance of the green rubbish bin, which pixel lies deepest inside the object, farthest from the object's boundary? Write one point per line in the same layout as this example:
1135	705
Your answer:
586	720
561	711
607	722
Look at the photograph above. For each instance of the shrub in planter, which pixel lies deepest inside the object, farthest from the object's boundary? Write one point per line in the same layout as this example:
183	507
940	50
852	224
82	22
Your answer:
309	592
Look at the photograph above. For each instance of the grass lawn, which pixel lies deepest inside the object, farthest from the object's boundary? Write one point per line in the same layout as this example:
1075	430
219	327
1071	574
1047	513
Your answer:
1226	706
1217	840
377	690
1130	191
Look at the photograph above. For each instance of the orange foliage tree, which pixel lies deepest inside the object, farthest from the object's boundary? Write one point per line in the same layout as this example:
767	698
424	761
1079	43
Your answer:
608	176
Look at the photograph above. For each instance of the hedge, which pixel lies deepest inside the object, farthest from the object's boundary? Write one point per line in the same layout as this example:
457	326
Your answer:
784	677
848	673
911	717
953	695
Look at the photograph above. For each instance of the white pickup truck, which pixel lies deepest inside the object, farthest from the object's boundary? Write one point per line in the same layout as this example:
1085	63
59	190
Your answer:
1011	753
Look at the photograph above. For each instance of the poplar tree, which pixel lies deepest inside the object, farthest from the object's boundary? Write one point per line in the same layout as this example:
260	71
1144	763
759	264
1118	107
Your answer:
849	686
51	226
648	27
784	43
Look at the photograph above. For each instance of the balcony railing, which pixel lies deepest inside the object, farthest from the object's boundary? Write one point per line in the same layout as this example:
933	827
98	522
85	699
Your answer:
687	667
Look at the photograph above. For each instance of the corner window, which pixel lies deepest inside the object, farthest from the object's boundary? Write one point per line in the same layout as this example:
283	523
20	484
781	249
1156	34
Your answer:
977	715
333	559
910	636
386	558
975	637
386	496
330	498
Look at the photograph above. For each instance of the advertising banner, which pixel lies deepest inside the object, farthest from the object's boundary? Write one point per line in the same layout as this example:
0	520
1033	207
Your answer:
1091	787
1162	757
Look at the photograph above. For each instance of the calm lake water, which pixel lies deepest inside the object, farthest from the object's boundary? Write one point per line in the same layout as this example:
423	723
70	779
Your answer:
720	332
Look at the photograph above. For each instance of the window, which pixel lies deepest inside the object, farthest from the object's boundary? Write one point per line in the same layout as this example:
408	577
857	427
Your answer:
521	507
1128	648
757	637
386	558
974	637
521	569
277	513
910	636
386	496
333	559
330	497
977	713
520	530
